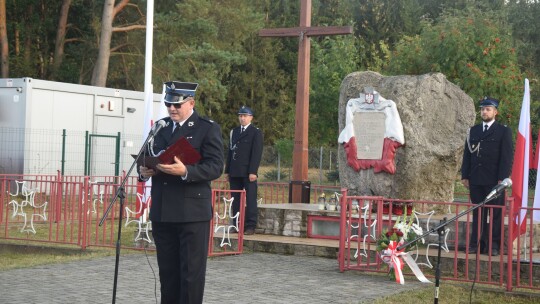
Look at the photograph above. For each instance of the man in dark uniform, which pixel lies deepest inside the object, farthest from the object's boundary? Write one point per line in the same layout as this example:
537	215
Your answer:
487	160
243	160
181	197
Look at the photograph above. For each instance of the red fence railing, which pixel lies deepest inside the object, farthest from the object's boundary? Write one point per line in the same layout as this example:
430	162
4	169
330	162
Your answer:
68	209
364	219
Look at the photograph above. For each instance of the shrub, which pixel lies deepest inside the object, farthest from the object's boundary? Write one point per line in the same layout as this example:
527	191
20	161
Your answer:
272	175
332	176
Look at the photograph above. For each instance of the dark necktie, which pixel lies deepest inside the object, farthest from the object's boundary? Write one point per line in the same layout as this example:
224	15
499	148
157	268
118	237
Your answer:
176	126
486	128
241	130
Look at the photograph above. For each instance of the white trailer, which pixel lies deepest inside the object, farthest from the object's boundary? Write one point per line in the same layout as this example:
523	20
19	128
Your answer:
46	126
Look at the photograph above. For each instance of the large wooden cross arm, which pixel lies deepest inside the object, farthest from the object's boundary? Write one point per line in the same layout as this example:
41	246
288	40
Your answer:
303	32
306	31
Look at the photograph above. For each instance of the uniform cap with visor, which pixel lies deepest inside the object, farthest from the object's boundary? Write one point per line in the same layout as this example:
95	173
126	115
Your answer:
489	102
178	92
245	111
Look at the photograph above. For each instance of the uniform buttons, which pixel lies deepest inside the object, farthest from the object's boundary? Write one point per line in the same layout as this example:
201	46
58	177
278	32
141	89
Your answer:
165	184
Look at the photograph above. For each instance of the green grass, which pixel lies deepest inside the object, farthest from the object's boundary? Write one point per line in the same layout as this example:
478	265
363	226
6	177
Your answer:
23	254
452	292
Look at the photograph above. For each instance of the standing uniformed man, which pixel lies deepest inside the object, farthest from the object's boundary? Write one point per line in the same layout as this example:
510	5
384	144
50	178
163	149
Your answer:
487	160
243	160
182	197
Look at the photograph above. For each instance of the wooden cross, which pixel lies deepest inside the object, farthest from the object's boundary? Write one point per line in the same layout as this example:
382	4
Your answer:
304	31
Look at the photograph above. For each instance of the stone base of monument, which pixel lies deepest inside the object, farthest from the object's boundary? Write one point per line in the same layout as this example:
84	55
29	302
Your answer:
306	221
298	220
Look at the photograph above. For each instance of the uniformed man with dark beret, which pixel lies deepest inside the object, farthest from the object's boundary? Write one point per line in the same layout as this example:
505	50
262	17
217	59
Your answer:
242	165
487	160
181	196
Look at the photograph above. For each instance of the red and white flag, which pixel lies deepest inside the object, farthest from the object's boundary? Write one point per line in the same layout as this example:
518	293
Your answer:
520	168
143	188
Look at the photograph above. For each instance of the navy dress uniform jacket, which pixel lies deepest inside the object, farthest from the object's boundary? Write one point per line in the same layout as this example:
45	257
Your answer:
492	160
177	200
245	152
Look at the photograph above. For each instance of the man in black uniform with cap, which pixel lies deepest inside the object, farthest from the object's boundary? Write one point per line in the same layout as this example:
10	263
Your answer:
243	160
487	160
181	196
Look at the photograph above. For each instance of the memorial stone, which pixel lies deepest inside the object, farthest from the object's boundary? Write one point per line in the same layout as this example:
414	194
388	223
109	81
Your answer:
435	115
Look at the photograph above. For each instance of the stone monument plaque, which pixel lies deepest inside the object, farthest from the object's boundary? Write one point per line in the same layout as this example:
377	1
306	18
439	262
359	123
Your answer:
369	130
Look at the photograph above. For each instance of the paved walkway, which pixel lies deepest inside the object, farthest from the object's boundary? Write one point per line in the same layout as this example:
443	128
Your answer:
247	278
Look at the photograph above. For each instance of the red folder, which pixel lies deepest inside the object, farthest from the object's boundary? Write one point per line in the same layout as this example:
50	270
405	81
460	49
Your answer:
181	149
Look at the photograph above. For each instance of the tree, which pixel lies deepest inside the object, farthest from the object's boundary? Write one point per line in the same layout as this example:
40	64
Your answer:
199	42
379	24
99	76
4	46
332	60
60	37
101	67
285	149
32	29
261	85
474	50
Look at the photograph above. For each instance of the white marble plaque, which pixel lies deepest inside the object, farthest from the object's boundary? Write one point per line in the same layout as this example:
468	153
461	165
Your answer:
369	129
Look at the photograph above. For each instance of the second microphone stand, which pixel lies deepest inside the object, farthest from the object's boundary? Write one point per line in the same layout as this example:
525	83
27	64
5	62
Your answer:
440	232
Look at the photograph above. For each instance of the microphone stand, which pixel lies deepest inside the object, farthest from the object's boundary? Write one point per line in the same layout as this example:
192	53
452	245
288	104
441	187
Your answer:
440	232
121	194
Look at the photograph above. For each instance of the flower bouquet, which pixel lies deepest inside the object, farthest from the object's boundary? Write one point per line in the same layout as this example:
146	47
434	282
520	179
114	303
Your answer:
404	231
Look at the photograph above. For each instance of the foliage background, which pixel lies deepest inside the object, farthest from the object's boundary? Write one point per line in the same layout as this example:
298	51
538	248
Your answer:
487	47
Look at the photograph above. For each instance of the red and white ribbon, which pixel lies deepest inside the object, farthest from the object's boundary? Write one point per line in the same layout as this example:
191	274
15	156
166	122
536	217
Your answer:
394	258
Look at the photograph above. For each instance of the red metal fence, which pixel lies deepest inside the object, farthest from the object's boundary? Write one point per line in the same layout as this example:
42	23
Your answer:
365	219
68	209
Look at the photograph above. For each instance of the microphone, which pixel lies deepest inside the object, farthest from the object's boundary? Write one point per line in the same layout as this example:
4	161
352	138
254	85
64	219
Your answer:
160	124
499	188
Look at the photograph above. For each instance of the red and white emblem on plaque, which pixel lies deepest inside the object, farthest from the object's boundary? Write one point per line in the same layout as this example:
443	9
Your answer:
370	98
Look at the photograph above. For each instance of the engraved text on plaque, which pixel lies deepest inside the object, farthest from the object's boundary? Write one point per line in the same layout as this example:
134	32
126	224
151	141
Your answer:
369	129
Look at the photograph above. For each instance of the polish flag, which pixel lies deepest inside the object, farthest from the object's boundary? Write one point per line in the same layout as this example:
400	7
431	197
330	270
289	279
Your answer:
143	188
520	167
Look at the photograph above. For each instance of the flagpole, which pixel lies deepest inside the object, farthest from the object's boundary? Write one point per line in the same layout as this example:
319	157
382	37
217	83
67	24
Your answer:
148	88
148	52
148	97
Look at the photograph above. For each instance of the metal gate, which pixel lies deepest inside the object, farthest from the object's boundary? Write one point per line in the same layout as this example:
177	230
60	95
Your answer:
102	155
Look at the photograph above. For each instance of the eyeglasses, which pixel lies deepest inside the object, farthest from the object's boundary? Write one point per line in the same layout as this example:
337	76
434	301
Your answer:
176	105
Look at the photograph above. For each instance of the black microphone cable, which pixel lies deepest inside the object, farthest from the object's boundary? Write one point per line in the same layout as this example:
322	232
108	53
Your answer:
153	273
145	242
476	270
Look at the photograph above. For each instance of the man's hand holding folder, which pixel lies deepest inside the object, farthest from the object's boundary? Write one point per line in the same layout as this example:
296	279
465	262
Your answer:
171	161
